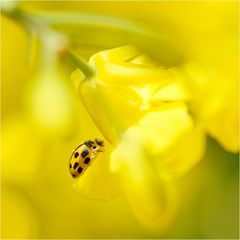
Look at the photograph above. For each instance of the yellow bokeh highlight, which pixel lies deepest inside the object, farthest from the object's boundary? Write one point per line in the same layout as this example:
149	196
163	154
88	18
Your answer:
19	218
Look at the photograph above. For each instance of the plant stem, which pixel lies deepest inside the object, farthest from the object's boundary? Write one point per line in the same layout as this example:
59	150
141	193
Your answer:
114	31
79	62
89	20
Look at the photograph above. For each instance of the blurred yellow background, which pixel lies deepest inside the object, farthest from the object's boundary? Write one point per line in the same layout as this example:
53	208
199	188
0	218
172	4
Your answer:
43	120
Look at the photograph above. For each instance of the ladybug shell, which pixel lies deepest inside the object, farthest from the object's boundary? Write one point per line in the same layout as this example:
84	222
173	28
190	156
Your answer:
83	156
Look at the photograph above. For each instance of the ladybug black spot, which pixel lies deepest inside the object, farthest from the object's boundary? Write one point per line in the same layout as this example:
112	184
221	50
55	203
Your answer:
84	153
94	147
80	169
76	154
89	143
87	160
75	165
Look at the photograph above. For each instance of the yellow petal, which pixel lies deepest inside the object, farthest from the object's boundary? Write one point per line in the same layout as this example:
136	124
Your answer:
151	199
164	127
183	155
175	91
119	71
215	103
117	55
224	126
98	109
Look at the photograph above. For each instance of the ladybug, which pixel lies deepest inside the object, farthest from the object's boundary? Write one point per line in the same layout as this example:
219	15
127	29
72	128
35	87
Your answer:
83	156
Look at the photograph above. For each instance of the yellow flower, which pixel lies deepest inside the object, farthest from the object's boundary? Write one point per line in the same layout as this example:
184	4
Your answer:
140	108
154	119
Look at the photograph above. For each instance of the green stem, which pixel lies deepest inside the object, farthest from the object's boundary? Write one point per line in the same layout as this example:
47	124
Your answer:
79	62
162	47
89	20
